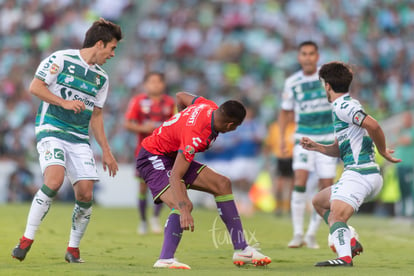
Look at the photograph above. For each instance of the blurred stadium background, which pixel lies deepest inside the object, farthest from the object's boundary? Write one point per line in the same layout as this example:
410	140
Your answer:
219	49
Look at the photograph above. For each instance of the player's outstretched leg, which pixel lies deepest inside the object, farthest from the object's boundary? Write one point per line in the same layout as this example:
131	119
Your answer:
38	210
172	237
142	209
341	235
244	254
298	206
155	220
80	220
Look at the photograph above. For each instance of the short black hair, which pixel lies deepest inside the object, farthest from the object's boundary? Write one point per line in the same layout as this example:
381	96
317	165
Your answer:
308	43
102	30
338	74
233	111
154	73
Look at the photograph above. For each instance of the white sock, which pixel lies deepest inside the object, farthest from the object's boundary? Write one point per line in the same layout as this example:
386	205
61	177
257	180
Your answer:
40	206
315	221
80	221
342	241
298	205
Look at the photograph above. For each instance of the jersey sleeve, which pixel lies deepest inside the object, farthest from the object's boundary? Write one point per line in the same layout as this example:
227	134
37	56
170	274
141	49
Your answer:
132	113
192	141
351	113
287	97
102	94
49	68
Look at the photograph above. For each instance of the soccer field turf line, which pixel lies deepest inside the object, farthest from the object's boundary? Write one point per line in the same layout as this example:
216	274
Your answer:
112	247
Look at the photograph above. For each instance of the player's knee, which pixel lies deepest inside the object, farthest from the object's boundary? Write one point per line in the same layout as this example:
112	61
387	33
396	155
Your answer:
85	197
223	186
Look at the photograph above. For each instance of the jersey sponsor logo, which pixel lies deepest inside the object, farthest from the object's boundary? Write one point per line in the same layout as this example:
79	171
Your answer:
194	115
54	68
342	137
58	154
69	79
41	73
359	117
90	163
84	100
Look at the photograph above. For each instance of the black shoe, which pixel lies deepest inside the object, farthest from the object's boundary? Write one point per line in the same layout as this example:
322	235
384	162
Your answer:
357	248
73	256
21	249
334	262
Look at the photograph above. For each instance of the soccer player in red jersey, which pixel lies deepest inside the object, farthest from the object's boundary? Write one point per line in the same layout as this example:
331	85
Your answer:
145	113
166	163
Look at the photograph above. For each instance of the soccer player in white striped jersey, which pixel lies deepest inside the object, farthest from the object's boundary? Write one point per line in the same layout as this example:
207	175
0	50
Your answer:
355	135
305	100
72	88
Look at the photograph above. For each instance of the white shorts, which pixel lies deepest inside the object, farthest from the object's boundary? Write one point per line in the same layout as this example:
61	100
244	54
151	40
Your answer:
323	165
355	188
76	158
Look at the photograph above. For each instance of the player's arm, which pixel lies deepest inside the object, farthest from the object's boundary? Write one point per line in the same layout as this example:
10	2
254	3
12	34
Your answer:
330	150
134	126
285	117
377	135
97	125
179	191
184	99
40	89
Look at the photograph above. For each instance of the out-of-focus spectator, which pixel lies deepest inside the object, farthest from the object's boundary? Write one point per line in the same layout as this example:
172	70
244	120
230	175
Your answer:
405	169
21	185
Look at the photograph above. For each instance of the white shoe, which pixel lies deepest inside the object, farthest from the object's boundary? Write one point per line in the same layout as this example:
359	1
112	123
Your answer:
170	263
142	228
296	242
250	255
155	225
310	242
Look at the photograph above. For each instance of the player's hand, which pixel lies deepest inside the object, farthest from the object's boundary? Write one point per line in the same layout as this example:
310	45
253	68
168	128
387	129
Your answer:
149	127
387	155
187	221
308	144
108	161
75	105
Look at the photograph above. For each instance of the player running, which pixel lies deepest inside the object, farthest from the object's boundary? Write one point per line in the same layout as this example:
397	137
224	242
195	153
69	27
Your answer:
304	97
355	133
145	113
166	164
73	89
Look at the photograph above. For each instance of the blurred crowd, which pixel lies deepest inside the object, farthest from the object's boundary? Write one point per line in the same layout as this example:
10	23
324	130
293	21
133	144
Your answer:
219	49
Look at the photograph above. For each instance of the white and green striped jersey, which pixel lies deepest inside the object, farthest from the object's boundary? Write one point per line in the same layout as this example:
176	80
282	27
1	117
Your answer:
69	77
313	113
355	145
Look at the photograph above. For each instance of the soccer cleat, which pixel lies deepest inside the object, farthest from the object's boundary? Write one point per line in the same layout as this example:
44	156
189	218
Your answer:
170	263
155	225
310	242
296	242
250	255
21	249
142	228
73	255
356	247
343	261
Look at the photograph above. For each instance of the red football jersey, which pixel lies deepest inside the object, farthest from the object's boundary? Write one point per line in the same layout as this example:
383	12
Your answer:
142	109
189	131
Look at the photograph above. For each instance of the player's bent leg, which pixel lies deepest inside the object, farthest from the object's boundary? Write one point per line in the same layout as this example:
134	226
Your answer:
53	178
220	186
80	218
172	236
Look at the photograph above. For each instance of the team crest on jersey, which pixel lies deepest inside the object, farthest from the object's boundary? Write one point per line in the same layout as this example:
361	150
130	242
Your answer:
48	155
98	80
189	149
54	68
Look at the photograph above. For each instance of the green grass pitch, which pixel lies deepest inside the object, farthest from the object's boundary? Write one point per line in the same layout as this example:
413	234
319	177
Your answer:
112	247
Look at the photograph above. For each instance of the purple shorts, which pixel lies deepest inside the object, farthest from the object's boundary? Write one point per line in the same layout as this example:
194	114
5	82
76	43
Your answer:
155	170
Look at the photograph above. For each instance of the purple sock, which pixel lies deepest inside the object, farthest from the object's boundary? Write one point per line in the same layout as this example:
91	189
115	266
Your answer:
172	236
230	216
142	207
157	209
